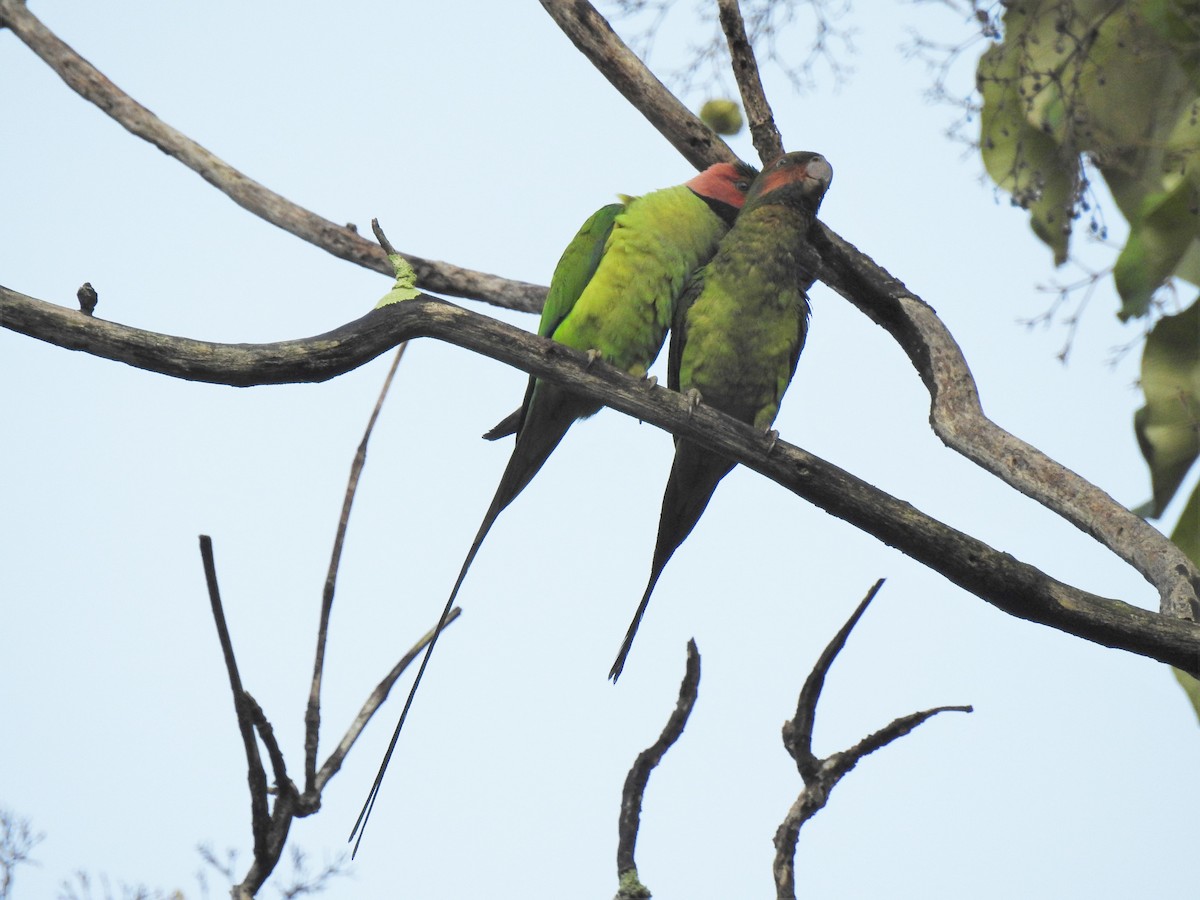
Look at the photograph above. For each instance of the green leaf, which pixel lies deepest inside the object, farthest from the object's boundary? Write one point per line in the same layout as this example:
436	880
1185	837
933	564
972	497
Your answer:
1157	243
1168	426
406	280
1022	159
722	116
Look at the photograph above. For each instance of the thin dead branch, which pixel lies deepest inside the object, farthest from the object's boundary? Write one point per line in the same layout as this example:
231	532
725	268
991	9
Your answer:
260	818
820	776
312	715
629	886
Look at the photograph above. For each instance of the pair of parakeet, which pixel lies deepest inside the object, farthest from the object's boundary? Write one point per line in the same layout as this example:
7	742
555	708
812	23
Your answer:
715	259
738	322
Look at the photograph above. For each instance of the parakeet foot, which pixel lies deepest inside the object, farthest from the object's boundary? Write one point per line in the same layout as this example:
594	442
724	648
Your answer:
592	356
772	437
693	400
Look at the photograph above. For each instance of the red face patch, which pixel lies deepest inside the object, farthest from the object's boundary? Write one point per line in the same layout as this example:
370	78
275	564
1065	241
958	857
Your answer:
724	182
810	168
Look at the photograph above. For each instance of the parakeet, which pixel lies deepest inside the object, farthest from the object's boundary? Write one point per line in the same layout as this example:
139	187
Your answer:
737	335
613	294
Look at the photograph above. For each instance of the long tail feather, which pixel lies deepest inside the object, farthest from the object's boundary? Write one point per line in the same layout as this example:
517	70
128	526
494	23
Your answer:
535	442
695	474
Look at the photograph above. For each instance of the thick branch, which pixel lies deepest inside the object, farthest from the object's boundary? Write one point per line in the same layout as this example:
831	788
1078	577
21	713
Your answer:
955	413
957	418
591	33
341	241
998	578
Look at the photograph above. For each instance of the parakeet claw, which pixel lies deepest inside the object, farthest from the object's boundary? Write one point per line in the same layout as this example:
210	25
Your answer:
772	439
649	382
693	400
592	356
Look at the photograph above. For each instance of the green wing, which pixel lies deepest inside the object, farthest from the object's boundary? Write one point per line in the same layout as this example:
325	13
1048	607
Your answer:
577	266
679	327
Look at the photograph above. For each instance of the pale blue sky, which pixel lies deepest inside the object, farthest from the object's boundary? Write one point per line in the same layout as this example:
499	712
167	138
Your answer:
478	135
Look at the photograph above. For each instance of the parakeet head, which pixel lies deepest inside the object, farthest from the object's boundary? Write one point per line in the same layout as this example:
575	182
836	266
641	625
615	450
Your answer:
801	178
723	186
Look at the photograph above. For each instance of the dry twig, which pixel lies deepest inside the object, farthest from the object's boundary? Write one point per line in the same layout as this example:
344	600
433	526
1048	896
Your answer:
822	775
629	886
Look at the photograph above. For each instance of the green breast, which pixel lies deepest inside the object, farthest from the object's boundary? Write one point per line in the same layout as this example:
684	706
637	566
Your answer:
744	330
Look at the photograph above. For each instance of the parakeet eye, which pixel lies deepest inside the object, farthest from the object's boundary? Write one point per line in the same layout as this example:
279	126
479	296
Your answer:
742	186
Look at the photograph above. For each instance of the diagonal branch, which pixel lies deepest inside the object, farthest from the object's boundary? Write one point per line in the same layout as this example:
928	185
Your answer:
955	414
339	240
591	33
1015	587
372	704
765	134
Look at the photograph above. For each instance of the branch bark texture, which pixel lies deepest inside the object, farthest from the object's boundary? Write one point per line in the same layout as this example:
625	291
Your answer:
1000	579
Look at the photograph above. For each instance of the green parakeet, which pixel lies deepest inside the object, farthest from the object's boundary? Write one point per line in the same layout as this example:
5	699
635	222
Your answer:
613	294
738	332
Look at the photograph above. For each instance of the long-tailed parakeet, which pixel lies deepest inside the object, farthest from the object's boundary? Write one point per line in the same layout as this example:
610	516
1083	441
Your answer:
737	335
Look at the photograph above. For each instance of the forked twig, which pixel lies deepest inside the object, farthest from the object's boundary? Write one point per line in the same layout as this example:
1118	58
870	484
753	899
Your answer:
822	775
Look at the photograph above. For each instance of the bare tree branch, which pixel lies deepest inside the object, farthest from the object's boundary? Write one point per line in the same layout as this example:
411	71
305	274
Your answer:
630	886
820	776
591	33
765	134
1015	587
956	415
312	716
373	702
958	420
17	840
341	241
260	819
